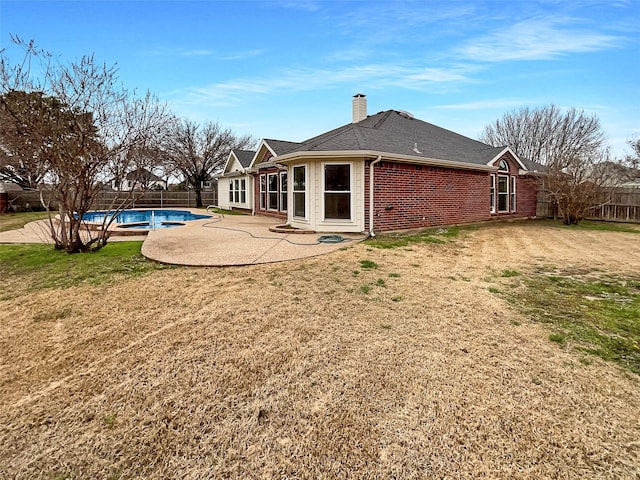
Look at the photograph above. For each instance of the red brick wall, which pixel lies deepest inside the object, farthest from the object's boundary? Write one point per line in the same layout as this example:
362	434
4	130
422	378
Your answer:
414	196
526	191
526	196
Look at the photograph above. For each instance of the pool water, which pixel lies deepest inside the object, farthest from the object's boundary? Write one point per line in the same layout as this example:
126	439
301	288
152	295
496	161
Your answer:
146	219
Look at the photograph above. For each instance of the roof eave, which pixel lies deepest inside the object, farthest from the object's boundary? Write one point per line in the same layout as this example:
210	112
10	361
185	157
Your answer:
394	157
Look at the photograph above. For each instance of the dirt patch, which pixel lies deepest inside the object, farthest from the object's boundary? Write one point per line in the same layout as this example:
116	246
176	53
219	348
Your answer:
298	370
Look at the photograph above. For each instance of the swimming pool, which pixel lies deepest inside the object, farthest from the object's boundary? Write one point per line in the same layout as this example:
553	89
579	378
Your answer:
146	219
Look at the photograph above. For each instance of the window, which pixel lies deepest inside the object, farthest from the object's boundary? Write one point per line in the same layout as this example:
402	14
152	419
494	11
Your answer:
272	191
503	166
299	191
513	193
236	192
492	193
503	193
263	192
283	191
337	191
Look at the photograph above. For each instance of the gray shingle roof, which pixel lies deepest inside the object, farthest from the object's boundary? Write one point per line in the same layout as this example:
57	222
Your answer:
281	147
395	132
244	157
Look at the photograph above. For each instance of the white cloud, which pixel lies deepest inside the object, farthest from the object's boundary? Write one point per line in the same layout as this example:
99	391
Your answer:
177	52
499	103
196	53
305	5
233	92
242	55
201	52
539	38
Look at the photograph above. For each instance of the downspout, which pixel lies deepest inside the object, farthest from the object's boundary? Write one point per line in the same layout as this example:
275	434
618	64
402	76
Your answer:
377	160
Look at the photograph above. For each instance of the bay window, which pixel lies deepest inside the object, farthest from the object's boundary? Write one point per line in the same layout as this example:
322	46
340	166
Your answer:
299	191
337	191
283	191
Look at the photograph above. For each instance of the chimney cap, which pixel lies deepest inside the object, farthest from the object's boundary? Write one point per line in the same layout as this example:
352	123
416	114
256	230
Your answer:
359	95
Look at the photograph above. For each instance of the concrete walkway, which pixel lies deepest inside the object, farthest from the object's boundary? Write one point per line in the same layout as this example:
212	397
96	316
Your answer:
214	242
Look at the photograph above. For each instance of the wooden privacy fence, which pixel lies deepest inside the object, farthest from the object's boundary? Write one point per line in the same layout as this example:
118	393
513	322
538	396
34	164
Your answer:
623	206
30	200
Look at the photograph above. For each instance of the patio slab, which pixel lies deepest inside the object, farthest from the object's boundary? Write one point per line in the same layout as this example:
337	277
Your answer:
214	242
234	240
38	232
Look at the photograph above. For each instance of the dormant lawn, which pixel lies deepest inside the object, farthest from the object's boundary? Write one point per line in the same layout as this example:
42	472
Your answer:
419	361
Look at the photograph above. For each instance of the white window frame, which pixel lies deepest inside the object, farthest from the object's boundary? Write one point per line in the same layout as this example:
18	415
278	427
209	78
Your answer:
263	192
243	191
236	191
350	192
492	193
506	194
512	193
283	191
269	192
304	192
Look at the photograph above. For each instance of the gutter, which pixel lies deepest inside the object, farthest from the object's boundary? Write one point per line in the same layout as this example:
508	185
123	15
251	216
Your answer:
371	165
392	157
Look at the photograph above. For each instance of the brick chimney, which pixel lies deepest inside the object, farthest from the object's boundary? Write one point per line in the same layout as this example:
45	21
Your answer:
359	107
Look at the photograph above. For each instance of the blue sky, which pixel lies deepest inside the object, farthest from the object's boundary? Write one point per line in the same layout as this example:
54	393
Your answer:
288	69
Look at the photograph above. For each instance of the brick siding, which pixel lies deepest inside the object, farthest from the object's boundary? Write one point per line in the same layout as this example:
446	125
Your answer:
415	196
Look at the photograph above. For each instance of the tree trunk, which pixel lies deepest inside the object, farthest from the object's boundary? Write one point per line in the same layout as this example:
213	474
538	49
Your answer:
198	197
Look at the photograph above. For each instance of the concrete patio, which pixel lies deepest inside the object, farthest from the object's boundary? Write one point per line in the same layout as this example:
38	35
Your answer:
217	241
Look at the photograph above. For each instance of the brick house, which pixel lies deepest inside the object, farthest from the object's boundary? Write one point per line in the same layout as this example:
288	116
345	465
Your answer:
388	171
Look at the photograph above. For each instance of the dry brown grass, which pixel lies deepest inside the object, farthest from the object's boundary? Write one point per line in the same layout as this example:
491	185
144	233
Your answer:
291	371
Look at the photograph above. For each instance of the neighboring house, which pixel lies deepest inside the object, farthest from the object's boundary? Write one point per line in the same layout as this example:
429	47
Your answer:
139	179
210	184
389	171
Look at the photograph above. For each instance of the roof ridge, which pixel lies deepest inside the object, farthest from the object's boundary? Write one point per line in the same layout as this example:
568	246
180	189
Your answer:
383	118
326	136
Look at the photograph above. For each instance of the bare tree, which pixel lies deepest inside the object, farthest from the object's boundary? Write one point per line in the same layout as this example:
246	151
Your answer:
199	151
546	134
96	130
572	148
22	156
633	160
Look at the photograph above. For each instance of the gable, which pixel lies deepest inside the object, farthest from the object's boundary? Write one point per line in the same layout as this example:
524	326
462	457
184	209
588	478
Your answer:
263	154
509	156
233	164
